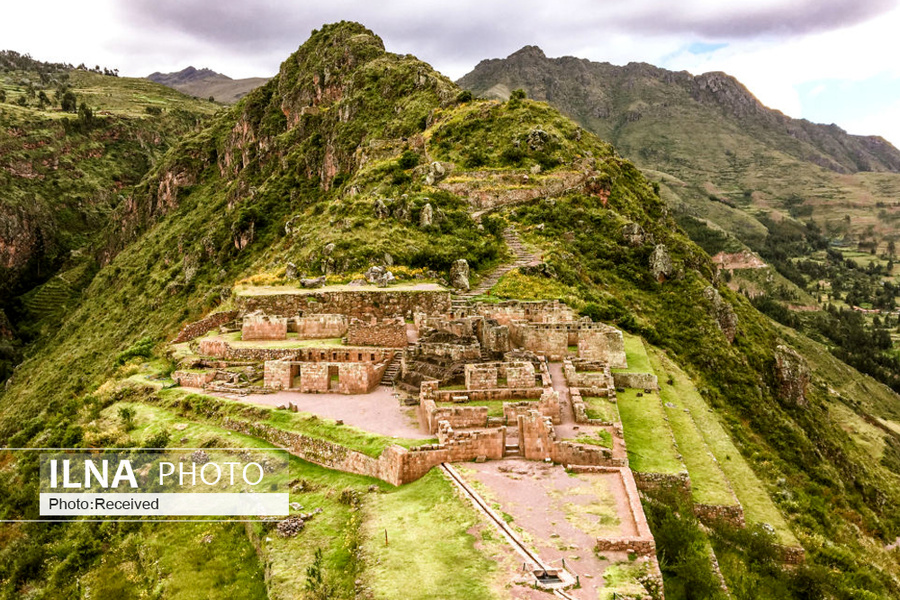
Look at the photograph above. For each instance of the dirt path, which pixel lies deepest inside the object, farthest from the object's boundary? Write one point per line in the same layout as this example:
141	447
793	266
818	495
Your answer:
560	515
379	412
558	379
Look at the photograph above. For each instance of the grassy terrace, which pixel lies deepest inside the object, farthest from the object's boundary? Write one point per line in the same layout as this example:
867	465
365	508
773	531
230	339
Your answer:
431	551
758	507
195	406
277	290
636	354
292	341
425	515
601	409
647	435
495	407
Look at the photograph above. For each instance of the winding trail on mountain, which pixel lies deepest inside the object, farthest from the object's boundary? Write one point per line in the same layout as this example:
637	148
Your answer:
522	258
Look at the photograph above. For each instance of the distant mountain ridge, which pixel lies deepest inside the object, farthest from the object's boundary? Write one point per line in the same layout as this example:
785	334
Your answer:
204	83
602	96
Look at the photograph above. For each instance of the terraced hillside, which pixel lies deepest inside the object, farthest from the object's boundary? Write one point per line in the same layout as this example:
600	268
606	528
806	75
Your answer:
310	177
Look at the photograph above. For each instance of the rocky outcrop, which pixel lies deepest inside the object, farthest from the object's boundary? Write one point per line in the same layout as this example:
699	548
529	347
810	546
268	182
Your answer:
661	263
722	312
791	376
635	235
459	275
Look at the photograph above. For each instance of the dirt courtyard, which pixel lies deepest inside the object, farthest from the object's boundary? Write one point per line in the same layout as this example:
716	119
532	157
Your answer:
379	411
560	515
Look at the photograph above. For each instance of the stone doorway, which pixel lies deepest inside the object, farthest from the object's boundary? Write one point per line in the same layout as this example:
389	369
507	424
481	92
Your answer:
334	378
512	439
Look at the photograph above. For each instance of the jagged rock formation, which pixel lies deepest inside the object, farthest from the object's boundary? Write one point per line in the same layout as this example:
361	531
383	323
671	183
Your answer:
661	266
722	312
792	375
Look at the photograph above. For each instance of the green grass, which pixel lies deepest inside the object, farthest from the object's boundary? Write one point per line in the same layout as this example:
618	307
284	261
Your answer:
647	434
600	437
431	551
750	491
635	355
195	406
495	407
601	409
529	287
234	338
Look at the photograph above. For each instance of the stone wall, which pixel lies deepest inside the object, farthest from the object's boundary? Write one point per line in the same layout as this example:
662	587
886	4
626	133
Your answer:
315	327
481	376
205	325
314	378
264	327
278	374
552	341
547	406
679	482
468	445
385	334
579	407
195	380
710	513
219	348
362	304
483	395
461	417
591	375
454	352
597	341
540	311
641	381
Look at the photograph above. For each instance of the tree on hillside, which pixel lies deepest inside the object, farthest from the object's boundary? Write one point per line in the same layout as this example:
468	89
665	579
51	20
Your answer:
68	102
43	100
2	95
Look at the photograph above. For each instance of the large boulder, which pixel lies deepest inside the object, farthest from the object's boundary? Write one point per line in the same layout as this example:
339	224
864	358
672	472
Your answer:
722	312
426	217
791	375
661	263
459	275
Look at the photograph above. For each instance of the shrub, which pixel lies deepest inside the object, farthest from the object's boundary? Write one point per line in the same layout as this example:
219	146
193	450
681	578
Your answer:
463	97
126	415
143	347
408	160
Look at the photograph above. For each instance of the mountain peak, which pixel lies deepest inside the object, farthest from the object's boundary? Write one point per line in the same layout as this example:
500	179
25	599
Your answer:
530	51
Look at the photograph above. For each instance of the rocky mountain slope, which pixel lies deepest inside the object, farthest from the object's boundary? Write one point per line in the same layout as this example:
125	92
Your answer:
62	171
206	83
352	157
816	203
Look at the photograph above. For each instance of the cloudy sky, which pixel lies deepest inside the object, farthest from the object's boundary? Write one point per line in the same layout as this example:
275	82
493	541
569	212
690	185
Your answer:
830	61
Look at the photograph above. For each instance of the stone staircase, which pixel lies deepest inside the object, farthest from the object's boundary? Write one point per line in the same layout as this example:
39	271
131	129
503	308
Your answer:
522	258
391	372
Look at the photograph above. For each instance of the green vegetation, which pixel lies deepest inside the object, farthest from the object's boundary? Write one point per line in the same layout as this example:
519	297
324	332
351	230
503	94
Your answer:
635	355
601	409
430	550
598	437
758	506
529	287
220	208
647	434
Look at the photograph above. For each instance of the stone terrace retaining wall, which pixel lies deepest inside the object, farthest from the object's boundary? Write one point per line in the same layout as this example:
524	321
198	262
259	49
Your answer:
538	311
641	381
396	465
679	482
205	325
219	348
264	327
385	334
709	513
313	327
366	304
483	395
195	380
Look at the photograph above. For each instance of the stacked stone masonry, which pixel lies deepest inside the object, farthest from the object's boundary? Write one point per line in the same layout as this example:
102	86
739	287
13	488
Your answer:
386	334
205	325
264	327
